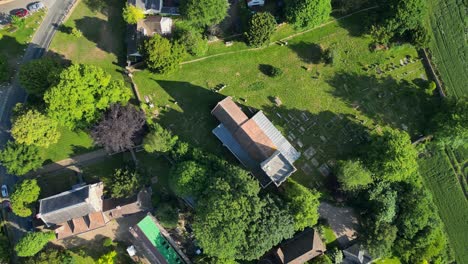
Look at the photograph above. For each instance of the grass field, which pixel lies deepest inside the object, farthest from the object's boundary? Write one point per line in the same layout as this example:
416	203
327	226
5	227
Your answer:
71	143
14	43
103	31
449	43
327	108
55	183
442	179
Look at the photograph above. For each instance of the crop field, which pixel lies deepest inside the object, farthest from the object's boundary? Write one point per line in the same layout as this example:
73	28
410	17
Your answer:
448	46
443	176
327	109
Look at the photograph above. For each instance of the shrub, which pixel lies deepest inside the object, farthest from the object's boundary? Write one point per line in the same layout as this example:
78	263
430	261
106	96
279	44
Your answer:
32	243
76	33
108	242
307	13
276	72
167	215
192	40
431	88
261	27
161	55
131	14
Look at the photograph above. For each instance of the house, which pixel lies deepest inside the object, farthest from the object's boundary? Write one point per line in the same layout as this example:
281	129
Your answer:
82	209
73	212
156	242
356	254
251	3
155	25
301	248
255	142
153	7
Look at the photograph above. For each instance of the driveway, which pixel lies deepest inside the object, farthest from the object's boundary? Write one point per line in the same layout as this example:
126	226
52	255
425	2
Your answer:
342	220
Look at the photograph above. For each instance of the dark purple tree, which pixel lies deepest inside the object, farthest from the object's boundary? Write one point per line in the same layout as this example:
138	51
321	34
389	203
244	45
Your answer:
119	128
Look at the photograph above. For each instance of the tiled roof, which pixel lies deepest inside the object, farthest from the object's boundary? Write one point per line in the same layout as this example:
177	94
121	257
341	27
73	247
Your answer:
79	225
96	220
303	247
229	114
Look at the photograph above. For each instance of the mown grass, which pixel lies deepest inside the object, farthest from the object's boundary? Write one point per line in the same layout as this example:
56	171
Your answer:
103	38
55	183
448	45
340	101
14	43
441	179
71	143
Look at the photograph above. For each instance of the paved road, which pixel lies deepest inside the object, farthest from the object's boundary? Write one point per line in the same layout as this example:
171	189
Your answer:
13	94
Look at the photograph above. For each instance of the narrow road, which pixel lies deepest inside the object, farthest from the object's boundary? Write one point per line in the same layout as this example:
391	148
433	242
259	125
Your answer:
15	94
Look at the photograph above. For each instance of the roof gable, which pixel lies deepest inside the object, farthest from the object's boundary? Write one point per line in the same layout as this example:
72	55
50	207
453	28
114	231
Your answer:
304	246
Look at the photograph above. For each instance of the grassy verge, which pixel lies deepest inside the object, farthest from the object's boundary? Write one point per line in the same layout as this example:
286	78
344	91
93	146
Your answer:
103	31
71	143
327	107
14	42
441	179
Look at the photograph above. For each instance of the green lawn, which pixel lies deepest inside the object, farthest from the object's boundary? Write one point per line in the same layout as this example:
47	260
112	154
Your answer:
71	143
14	42
441	179
448	44
329	108
52	184
103	30
98	171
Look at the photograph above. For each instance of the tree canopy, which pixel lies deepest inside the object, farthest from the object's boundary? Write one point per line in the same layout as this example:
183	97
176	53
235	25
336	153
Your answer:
203	13
34	128
36	76
123	183
188	178
392	156
19	159
303	204
5	250
82	93
352	175
450	125
4	69
192	40
119	128
109	258
33	242
161	55
132	14
159	139
307	13
261	26
52	256
24	194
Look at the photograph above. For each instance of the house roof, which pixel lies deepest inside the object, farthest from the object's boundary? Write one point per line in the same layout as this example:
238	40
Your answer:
79	225
155	25
71	204
256	142
96	220
303	247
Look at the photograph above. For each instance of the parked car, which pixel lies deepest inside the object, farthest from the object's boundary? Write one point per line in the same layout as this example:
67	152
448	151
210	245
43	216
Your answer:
21	12
7	205
4	191
36	6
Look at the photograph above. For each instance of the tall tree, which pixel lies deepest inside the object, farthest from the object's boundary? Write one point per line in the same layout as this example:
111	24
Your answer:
82	93
450	125
203	13
307	13
303	204
261	26
124	183
193	41
380	239
392	157
224	213
159	139
119	128
32	243
34	128
38	75
161	55
24	194
188	178
352	175
132	14
52	256
19	159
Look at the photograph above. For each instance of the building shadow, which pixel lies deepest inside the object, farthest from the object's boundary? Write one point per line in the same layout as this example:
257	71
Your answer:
307	52
397	103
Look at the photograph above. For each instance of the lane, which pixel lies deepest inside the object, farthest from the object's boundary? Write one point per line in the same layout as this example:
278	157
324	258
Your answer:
14	94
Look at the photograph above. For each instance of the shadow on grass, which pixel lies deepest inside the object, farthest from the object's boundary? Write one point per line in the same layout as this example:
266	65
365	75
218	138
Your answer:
108	35
308	52
400	104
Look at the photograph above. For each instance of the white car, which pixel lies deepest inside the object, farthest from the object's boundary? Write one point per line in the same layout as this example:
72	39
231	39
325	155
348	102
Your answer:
4	191
36	6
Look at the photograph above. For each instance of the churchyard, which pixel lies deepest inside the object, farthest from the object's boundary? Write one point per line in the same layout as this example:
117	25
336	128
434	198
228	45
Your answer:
326	110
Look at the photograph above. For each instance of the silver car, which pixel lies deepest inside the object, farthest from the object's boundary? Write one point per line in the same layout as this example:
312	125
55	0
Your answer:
36	6
4	191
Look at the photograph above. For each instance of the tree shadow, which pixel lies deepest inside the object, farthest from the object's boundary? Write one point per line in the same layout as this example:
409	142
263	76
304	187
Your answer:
98	5
308	52
387	101
359	24
109	35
